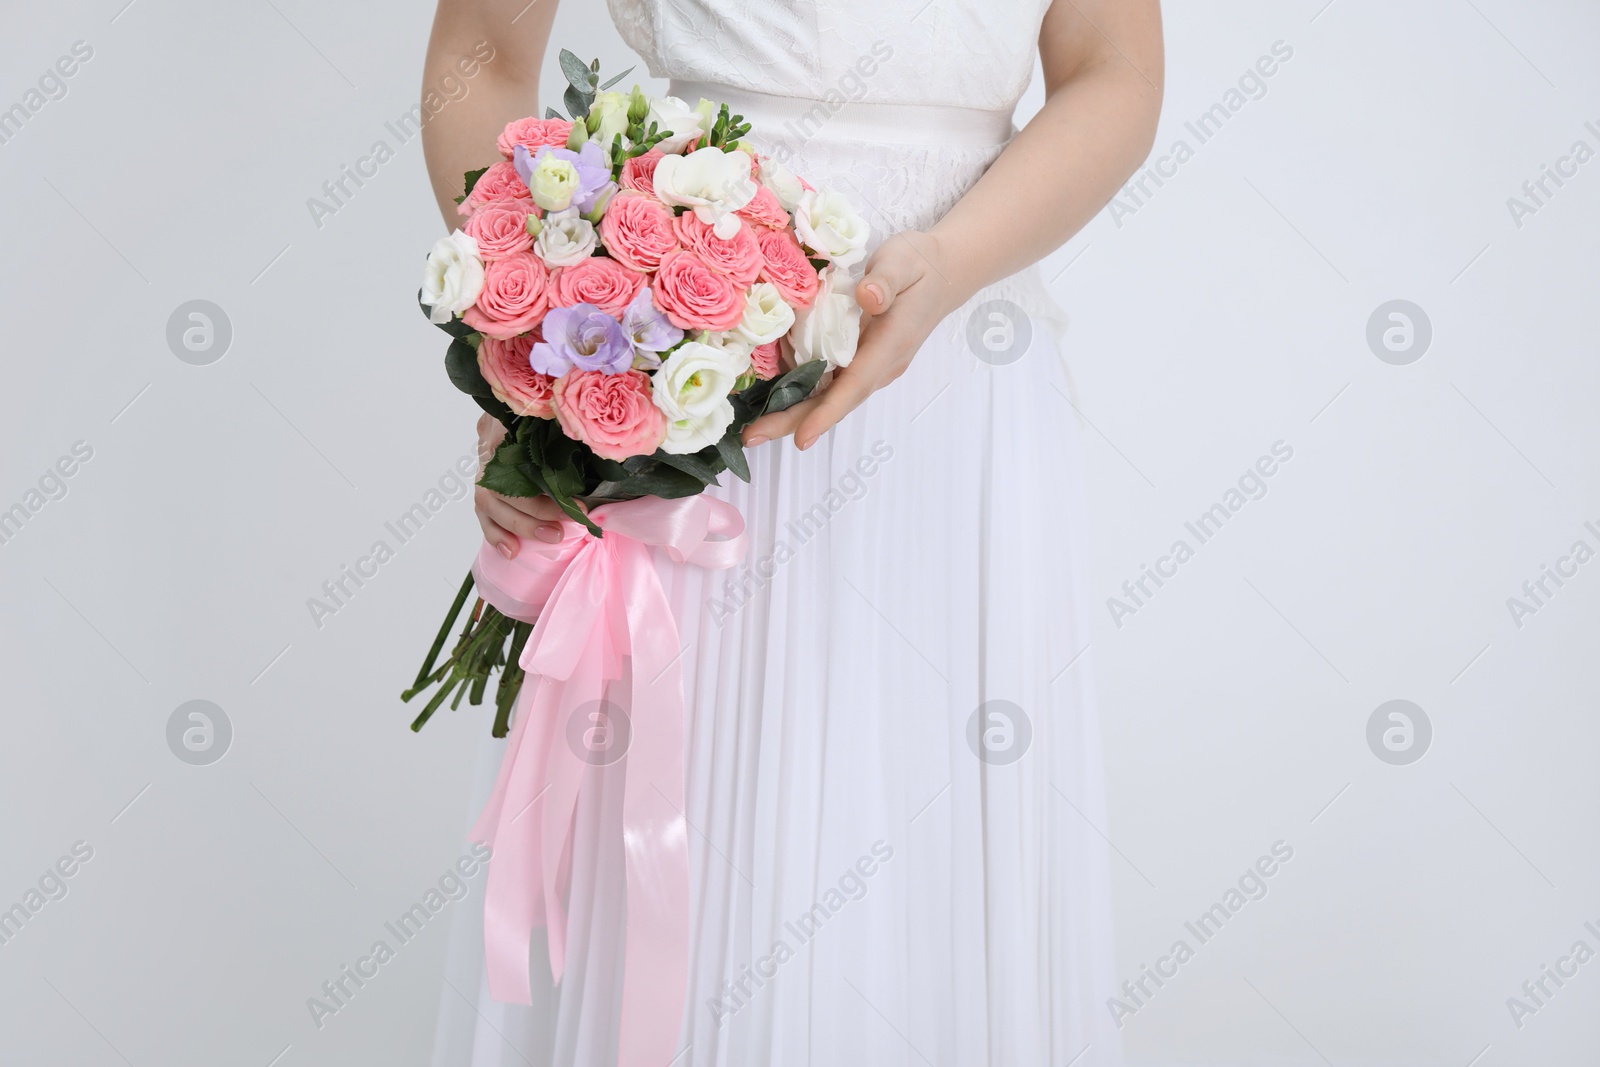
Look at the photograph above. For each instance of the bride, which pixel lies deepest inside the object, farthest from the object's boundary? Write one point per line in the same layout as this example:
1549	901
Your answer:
894	805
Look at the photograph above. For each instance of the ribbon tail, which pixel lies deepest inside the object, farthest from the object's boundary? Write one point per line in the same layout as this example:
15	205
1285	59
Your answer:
655	972
513	893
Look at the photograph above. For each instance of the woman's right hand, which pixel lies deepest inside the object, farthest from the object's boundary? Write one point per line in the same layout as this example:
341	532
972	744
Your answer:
507	519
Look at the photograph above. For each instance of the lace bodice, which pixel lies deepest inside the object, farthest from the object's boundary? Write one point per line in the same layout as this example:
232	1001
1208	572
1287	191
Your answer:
968	53
901	104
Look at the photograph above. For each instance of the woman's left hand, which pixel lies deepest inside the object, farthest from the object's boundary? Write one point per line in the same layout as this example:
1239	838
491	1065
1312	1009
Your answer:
905	293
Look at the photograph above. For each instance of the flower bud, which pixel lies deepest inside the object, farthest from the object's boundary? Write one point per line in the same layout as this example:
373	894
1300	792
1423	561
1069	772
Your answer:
638	106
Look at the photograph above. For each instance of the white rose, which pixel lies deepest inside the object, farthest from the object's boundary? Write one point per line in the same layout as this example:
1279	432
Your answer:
830	327
831	227
680	122
781	180
766	316
453	277
691	389
565	239
712	182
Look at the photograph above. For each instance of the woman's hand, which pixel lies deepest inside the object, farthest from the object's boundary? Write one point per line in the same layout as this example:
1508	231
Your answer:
907	290
506	519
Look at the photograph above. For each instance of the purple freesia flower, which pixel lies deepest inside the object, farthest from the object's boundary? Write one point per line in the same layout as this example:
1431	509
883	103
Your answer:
581	337
594	172
648	328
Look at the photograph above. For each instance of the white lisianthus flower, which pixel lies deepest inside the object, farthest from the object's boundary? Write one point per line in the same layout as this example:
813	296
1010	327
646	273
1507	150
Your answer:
766	316
553	182
453	278
730	341
565	239
830	226
608	116
831	326
680	122
781	180
691	389
712	182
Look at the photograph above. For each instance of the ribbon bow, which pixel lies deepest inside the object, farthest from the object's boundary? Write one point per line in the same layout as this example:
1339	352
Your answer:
603	684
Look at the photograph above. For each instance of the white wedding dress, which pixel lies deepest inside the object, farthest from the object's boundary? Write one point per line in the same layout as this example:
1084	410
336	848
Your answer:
922	559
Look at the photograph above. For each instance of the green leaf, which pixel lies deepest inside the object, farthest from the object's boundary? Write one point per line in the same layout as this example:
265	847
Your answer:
579	76
577	103
609	470
566	481
559	491
731	448
795	386
498	409
819	264
504	473
461	364
612	81
552	113
471	179
660	480
692	465
454	326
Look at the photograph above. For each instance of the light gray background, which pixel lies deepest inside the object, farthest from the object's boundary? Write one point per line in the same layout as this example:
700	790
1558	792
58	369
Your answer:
1225	314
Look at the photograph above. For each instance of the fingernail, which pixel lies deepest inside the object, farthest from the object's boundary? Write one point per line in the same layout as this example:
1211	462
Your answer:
756	440
876	292
804	443
547	533
505	549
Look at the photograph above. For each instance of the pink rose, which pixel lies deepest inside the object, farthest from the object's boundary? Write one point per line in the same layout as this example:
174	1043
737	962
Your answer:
764	360
505	366
605	283
639	173
514	297
739	257
637	230
499	182
611	413
787	267
694	296
501	228
765	210
534	134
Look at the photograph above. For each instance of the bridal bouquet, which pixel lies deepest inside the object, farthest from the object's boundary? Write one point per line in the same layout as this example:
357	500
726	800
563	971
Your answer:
630	287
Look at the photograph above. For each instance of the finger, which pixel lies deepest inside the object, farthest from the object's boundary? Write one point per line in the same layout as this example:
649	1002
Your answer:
779	423
504	541
850	387
892	270
500	510
539	507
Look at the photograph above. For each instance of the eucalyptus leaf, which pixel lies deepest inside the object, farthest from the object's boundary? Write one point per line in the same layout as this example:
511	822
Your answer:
552	113
579	76
612	81
576	102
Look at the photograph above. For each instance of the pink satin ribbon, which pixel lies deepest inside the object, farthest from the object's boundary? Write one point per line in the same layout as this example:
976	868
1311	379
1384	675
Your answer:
603	631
